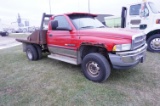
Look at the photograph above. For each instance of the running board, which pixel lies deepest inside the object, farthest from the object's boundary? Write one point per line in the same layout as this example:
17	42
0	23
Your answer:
63	58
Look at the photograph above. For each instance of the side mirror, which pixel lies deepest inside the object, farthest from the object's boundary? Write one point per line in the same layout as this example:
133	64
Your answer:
54	24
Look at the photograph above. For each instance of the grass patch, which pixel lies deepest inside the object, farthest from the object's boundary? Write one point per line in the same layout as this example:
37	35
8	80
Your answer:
49	82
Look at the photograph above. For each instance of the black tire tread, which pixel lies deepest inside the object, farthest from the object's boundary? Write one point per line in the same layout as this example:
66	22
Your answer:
149	41
34	52
103	61
39	51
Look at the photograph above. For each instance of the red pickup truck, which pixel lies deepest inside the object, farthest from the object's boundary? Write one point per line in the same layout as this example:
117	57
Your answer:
79	38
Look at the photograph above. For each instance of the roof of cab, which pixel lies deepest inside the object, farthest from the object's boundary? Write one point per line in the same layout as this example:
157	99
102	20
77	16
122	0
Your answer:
81	13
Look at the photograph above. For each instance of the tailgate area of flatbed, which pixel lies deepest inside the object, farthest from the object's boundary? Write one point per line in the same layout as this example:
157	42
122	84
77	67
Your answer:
37	37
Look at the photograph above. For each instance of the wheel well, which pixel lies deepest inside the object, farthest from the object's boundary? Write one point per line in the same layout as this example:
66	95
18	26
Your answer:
43	47
153	33
86	49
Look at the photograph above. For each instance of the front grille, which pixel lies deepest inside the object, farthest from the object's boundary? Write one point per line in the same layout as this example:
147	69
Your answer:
138	41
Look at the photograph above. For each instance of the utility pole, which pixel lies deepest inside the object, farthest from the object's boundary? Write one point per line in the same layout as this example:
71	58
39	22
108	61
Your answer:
50	6
89	6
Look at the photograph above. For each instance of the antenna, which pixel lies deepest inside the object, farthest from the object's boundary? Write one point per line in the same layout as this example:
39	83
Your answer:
50	6
89	6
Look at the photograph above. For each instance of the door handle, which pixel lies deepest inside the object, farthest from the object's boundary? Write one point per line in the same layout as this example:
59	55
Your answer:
71	45
50	35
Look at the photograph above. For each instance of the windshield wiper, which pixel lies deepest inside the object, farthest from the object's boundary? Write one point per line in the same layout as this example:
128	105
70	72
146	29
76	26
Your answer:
87	27
101	27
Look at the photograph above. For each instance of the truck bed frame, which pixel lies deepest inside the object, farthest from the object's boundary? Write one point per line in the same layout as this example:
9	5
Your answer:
38	36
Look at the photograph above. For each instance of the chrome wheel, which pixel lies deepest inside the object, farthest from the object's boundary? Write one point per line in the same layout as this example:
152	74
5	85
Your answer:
155	44
29	54
93	69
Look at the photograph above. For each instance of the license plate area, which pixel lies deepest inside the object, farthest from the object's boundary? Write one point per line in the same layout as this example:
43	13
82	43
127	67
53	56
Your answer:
140	57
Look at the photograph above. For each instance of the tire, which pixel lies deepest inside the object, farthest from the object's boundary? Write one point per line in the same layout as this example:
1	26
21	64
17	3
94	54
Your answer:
95	67
31	53
39	51
154	43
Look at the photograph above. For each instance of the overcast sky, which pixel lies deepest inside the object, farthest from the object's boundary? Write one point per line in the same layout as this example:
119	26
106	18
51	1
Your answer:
32	9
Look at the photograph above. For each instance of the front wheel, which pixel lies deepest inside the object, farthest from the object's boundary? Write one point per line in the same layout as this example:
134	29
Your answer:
154	43
95	67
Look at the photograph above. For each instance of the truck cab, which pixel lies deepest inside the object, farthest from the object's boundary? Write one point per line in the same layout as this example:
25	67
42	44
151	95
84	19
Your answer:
80	39
142	16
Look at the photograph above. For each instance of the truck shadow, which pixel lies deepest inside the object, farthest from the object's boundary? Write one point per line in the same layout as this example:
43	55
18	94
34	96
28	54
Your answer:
115	75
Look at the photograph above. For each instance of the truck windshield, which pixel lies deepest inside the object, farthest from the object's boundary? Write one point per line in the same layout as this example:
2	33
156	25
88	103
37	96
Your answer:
86	22
153	7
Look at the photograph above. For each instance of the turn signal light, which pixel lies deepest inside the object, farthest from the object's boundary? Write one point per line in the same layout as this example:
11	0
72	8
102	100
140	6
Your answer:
158	21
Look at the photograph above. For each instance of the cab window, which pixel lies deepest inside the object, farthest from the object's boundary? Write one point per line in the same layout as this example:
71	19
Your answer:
144	12
134	9
62	22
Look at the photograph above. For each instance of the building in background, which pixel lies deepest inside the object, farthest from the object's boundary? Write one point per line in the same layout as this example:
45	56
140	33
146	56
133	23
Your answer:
20	25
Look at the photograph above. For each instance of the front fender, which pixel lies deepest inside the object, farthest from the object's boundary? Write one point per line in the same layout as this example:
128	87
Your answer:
108	43
151	29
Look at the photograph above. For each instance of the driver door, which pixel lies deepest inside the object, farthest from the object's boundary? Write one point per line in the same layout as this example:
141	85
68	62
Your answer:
59	40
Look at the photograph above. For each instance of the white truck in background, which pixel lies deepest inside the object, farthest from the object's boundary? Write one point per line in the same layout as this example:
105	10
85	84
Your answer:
143	16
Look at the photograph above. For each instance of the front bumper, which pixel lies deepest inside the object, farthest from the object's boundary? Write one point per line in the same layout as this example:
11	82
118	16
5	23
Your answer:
125	60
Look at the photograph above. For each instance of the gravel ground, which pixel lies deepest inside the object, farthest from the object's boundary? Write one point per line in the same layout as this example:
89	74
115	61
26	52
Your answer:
7	42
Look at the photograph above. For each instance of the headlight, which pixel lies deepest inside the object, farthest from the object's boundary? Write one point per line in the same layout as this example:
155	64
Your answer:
122	47
158	21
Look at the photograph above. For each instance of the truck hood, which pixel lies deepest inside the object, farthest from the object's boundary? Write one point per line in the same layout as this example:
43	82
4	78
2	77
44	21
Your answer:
107	37
110	33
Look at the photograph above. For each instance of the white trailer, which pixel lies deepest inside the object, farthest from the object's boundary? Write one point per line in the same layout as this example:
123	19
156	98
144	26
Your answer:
143	16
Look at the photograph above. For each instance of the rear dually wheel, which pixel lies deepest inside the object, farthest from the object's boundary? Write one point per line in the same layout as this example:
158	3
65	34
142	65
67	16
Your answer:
31	52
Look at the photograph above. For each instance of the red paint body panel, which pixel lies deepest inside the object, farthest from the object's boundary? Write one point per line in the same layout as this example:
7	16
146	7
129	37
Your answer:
61	38
106	36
